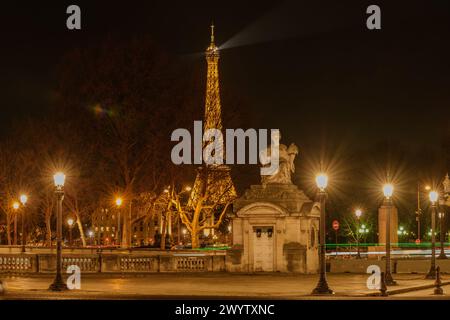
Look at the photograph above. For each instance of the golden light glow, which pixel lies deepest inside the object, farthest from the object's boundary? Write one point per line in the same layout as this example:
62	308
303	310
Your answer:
23	199
16	205
70	222
433	196
188	188
388	190
119	201
428	188
59	179
322	181
358	212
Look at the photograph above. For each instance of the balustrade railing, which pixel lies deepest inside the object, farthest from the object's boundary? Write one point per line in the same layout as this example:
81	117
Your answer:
136	264
86	264
191	264
14	263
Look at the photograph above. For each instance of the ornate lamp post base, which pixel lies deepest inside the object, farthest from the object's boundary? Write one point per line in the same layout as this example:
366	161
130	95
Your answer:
389	280
322	288
58	285
431	274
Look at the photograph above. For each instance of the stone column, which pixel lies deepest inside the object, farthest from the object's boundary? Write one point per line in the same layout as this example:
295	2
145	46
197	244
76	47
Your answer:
382	213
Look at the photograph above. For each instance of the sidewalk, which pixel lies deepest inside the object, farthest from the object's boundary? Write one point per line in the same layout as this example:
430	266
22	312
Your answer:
205	286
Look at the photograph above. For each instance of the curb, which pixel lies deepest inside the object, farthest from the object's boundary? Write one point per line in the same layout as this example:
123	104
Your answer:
405	290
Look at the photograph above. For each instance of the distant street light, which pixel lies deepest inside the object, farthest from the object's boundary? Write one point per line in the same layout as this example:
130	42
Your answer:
388	191
23	200
401	231
322	286
358	213
442	235
70	222
59	180
433	199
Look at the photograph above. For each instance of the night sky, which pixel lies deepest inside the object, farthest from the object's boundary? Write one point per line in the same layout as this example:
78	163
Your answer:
310	68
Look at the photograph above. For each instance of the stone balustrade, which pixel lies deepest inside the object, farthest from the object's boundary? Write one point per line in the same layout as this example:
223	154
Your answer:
113	261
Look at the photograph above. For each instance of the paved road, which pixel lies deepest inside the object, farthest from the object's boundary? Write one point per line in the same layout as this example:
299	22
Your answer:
205	285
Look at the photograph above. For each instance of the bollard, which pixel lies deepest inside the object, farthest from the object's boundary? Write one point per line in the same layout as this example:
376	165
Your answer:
383	287
438	282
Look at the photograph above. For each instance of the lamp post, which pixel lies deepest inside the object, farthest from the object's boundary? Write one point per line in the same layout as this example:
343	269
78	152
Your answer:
91	236
419	209
15	206
322	286
442	235
388	190
23	200
119	202
58	284
70	222
433	199
358	214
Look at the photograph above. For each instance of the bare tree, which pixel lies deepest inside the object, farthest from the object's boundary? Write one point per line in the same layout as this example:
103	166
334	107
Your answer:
210	204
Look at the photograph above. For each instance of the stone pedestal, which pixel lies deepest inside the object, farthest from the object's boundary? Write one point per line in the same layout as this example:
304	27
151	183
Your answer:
382	214
275	228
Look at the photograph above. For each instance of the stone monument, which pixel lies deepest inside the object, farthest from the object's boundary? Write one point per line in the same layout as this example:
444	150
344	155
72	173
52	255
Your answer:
275	225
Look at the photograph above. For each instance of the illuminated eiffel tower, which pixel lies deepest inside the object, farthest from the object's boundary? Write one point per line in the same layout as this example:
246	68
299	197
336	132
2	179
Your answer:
213	180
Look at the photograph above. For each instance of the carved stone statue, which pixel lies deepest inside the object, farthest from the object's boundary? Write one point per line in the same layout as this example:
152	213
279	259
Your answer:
286	165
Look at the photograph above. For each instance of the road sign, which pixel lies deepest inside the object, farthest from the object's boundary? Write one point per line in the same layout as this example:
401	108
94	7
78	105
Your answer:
335	225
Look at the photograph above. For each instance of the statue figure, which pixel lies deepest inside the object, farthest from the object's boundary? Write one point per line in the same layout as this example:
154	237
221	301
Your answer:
286	165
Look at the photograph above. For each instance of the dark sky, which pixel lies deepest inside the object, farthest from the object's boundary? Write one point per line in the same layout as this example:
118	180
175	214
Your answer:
310	68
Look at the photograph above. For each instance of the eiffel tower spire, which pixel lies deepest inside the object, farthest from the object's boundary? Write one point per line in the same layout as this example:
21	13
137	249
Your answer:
213	112
213	180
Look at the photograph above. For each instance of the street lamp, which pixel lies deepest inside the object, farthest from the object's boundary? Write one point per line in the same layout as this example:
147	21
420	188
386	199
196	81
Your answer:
23	200
322	286
388	191
119	202
358	213
70	222
91	236
419	209
442	235
58	284
433	199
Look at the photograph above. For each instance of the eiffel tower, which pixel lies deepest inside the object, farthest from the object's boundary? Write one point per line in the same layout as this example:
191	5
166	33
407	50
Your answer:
213	180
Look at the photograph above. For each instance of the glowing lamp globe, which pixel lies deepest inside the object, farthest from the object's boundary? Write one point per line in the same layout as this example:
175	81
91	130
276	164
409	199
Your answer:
70	222
59	179
119	202
16	205
358	212
322	181
433	196
23	199
388	190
